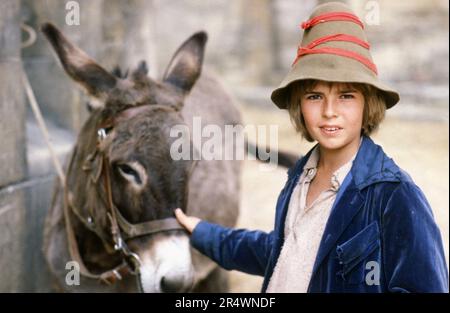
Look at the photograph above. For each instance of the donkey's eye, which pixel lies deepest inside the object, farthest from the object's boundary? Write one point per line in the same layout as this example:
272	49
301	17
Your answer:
129	173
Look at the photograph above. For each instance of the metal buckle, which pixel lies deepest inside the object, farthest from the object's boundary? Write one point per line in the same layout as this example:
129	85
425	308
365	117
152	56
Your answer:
118	243
132	259
101	134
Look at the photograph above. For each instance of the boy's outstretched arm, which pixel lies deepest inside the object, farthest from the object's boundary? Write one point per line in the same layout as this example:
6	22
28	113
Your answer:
233	249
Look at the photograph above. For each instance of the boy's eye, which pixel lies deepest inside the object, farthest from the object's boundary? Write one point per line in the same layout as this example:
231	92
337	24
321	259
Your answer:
313	97
347	96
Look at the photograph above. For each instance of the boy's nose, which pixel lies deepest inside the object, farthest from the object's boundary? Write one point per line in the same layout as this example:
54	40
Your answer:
329	108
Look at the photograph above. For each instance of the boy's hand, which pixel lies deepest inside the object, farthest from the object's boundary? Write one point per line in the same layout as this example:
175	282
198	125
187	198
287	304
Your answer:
188	222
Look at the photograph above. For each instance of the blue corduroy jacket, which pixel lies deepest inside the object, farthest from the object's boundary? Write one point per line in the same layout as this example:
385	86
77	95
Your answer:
380	237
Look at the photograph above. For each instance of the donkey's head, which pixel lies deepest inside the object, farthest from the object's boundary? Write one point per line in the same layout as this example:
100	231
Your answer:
134	115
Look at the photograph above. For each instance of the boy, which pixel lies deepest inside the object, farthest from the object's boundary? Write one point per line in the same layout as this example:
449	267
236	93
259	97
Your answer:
348	219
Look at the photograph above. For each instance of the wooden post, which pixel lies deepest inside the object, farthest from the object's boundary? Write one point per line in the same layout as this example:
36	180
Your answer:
12	149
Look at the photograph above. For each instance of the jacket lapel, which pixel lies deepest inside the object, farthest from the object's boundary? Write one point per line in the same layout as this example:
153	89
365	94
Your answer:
346	206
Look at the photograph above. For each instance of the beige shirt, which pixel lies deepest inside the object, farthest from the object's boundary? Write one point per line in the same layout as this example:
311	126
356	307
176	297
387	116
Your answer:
304	228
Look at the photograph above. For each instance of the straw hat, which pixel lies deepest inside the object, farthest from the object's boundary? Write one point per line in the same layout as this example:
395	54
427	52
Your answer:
334	48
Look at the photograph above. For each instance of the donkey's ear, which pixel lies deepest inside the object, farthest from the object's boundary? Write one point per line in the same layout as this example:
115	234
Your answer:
96	80
186	64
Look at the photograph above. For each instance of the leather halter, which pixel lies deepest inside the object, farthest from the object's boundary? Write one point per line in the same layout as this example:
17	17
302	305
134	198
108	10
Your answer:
121	229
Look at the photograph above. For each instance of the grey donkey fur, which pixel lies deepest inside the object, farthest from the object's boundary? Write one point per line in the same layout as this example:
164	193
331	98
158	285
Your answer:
213	190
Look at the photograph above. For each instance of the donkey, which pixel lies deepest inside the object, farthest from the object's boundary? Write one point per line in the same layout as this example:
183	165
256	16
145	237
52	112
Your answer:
114	214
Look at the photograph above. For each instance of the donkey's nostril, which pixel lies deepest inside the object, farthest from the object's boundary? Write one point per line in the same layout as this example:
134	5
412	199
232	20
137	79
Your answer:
172	284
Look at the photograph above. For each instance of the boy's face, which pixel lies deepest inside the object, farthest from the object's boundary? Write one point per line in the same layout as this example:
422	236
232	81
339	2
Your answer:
333	114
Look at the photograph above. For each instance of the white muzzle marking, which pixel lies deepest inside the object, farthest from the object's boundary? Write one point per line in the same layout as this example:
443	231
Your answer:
167	265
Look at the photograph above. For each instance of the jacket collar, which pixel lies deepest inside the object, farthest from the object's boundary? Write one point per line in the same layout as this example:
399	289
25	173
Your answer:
371	165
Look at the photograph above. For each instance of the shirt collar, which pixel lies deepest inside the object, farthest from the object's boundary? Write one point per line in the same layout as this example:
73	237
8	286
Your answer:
310	168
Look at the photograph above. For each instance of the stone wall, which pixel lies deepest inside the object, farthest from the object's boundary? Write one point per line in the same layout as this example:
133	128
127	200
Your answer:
12	149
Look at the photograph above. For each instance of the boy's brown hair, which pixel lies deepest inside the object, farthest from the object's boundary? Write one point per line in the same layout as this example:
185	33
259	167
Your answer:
374	106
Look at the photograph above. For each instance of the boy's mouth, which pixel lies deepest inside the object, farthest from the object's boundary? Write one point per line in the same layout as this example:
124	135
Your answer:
330	129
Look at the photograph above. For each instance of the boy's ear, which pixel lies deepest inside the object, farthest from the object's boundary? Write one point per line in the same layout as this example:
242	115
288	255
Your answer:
78	65
186	64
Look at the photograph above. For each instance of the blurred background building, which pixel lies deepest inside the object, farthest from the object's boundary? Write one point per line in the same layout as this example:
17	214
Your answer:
251	46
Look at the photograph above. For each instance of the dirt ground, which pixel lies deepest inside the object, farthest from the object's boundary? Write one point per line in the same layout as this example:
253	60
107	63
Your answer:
419	147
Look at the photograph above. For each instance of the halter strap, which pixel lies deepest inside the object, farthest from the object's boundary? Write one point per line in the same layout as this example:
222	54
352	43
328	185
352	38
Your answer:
330	17
108	277
146	228
311	49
